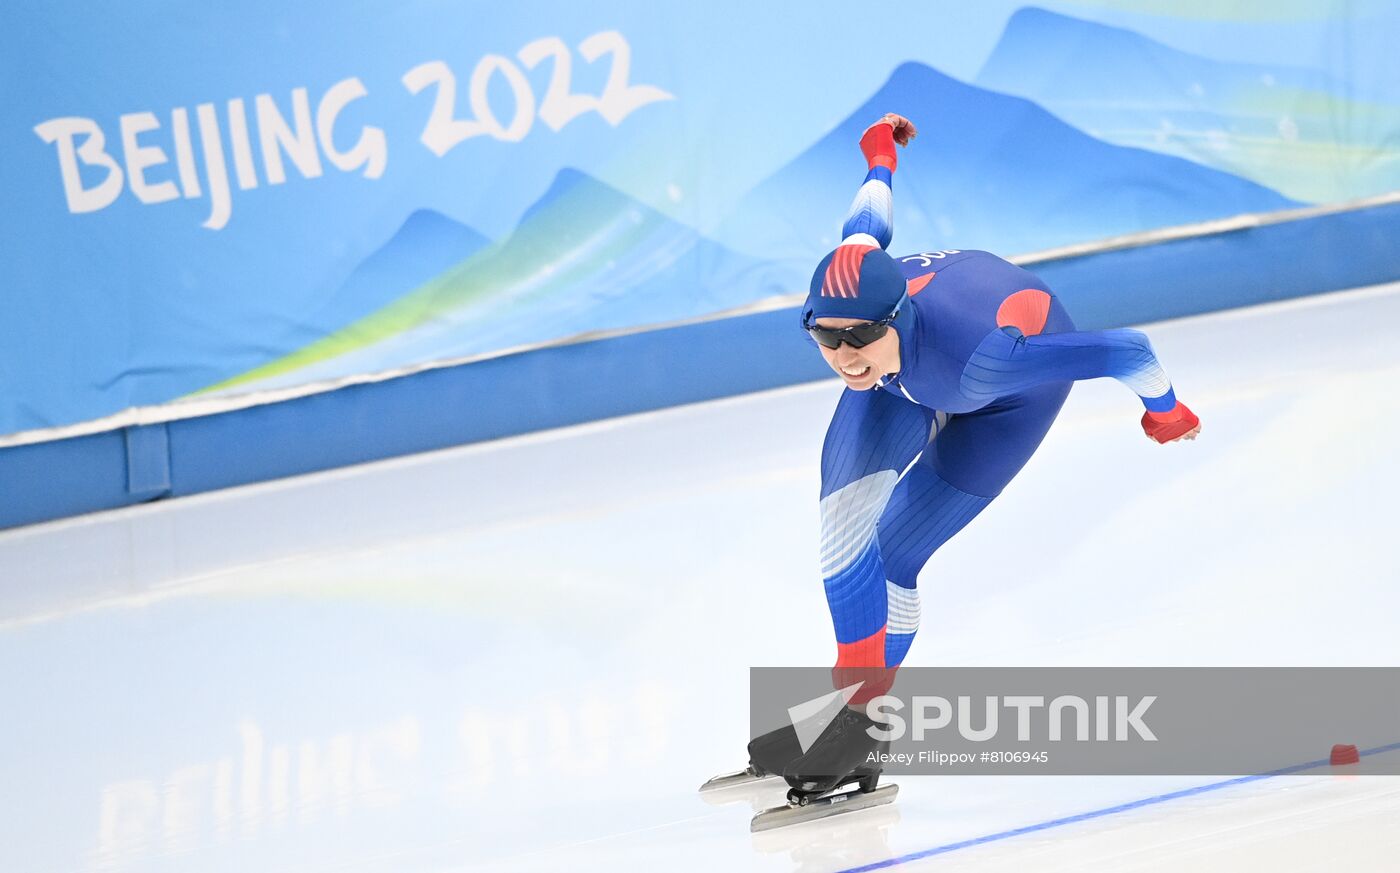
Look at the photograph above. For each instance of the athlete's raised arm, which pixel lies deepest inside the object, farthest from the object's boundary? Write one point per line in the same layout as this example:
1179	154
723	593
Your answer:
871	219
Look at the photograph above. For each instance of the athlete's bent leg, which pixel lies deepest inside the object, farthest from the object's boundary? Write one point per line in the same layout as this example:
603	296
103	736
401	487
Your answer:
873	436
965	467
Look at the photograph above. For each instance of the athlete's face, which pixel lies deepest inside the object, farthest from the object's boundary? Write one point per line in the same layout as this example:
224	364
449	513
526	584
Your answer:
860	368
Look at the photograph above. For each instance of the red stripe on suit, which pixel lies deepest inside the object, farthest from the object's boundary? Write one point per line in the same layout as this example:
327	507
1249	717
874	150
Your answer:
843	273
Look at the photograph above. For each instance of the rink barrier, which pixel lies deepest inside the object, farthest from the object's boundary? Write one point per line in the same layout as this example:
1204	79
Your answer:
1150	277
198	405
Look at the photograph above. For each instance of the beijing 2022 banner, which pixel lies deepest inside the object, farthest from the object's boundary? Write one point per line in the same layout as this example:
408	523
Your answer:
207	202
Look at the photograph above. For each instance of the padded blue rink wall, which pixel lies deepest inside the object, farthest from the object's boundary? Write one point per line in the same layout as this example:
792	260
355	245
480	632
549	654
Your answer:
573	383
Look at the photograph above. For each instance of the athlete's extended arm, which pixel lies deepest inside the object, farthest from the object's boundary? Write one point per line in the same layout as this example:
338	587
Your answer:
1006	362
872	212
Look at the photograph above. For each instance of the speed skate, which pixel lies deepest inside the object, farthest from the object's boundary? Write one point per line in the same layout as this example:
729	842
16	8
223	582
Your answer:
806	805
846	747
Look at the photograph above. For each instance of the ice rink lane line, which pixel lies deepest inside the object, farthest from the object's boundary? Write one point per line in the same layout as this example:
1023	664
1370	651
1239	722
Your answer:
1103	813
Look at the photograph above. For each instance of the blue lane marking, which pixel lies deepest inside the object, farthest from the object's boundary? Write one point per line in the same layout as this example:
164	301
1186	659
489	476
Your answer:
1101	813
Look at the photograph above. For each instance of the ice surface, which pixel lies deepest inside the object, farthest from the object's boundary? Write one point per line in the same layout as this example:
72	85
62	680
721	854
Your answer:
526	655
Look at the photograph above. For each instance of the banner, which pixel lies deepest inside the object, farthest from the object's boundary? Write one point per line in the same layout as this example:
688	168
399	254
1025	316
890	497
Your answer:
205	203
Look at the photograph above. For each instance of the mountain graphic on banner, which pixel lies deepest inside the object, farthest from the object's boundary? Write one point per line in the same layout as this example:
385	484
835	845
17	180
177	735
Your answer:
1299	131
584	258
987	171
425	245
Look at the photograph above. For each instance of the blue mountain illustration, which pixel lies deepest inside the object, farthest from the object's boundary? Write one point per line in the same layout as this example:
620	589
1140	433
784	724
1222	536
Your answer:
1047	52
427	244
987	171
585	257
613	262
1299	131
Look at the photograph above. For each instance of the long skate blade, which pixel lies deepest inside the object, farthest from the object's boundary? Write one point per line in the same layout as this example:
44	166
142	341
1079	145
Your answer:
734	780
825	807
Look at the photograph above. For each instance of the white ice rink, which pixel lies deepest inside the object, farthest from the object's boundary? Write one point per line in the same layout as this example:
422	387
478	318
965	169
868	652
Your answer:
526	655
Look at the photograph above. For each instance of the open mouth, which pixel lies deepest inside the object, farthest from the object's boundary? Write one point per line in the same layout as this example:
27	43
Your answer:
856	372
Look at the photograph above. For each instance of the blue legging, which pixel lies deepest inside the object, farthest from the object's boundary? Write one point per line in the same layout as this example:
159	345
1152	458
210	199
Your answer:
879	527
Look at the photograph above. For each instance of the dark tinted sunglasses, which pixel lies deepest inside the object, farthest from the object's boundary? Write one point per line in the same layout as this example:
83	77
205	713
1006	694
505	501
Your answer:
857	336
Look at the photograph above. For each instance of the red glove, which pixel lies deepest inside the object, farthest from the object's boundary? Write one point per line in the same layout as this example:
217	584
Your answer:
1173	424
878	141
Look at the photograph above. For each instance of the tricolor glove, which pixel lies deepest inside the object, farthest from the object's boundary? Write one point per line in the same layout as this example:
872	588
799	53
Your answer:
1167	426
878	141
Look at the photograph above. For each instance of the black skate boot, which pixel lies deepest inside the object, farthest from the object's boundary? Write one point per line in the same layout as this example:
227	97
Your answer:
773	751
845	753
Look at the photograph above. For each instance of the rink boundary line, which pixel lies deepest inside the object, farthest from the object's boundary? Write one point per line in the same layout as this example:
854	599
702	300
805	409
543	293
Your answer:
948	848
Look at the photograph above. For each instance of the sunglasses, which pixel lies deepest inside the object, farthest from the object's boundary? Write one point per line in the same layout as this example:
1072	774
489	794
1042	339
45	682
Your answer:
858	336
